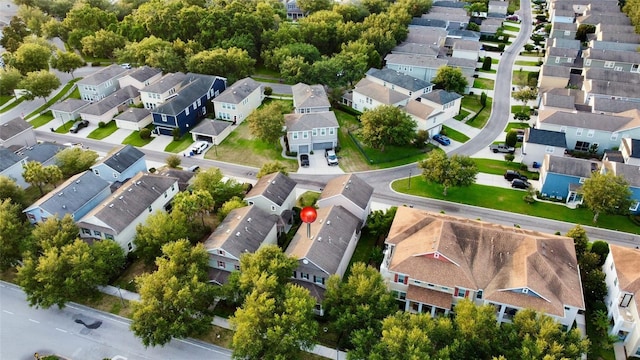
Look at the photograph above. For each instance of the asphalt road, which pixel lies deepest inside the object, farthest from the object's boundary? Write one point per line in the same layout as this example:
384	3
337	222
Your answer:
25	331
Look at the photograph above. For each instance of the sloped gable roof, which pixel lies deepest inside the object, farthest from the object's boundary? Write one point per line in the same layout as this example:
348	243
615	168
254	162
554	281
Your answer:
211	127
193	88
133	115
587	120
380	93
112	101
8	158
104	74
351	187
275	187
419	109
397	78
42	152
309	121
165	83
626	264
238	91
123	159
441	97
546	137
569	166
69	105
309	96
13	127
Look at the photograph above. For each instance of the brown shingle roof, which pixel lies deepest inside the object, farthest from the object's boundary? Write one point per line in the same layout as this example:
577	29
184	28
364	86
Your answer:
626	261
351	187
428	296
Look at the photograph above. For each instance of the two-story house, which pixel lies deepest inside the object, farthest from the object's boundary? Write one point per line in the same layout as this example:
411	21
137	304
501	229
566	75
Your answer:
350	192
309	98
106	108
189	106
625	61
608	84
425	116
538	142
76	197
44	152
562	177
11	166
418	66
244	230
68	110
387	87
162	90
238	100
140	77
444	102
134	119
622	276
121	165
433	260
117	216
307	132
16	134
101	84
275	194
327	251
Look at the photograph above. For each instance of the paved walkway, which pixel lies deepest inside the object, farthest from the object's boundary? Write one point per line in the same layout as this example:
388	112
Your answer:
221	322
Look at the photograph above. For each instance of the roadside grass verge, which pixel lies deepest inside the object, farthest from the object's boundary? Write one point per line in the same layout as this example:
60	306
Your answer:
511	201
134	139
520	108
462	115
75	94
530	53
455	135
483	116
526	63
42	119
510	28
111	304
516	125
5	98
180	145
486	84
102	132
64	128
12	105
498	167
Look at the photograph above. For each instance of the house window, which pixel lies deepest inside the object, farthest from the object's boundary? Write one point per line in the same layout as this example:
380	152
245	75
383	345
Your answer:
444	288
399	294
115	175
479	294
221	264
609	64
186	111
150	209
273	208
304	276
318	280
614	136
164	117
579	131
635	68
97	233
295	274
237	267
549	149
460	292
582	146
323	132
314	132
220	252
305	134
590	133
86	231
557	60
587	62
295	135
173	187
582	180
44	219
403	279
200	102
633	207
108	236
618	68
331	131
615	282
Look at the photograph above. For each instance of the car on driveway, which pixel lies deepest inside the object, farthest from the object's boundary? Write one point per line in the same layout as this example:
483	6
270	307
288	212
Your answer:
520	184
199	147
79	125
332	159
304	160
442	139
503	148
509	175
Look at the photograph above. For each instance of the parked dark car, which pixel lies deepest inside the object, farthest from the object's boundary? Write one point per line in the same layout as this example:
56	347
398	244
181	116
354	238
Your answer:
442	139
79	125
512	174
520	135
520	184
304	160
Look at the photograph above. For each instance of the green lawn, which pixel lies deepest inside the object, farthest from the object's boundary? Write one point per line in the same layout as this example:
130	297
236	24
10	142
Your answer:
269	80
486	84
134	139
64	128
483	116
471	102
455	135
5	98
462	115
516	125
510	28
498	167
12	105
55	98
180	145
75	94
393	155
102	132
526	63
530	53
362	252
261	70
494	61
520	108
490	71
521	77
511	201
42	119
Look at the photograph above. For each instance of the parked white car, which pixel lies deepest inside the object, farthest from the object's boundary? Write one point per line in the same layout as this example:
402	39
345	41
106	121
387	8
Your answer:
199	147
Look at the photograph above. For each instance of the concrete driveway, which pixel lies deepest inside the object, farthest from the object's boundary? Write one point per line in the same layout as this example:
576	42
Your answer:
318	165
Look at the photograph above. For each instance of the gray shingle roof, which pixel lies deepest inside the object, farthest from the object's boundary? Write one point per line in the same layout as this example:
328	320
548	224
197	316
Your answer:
555	71
460	44
309	96
631	173
238	91
165	83
610	88
276	187
331	234
71	195
211	127
102	75
613	155
112	101
565	26
564	101
351	187
566	43
586	120
563	52
416	48
415	60
69	105
418	109
144	73
309	121
611	55
133	115
243	230
441	97
465	33
570	166
123	159
397	78
610	18
183	176
193	87
429	22
546	137
378	92
608	75
42	152
8	158
613	45
613	105
127	203
461	62
13	127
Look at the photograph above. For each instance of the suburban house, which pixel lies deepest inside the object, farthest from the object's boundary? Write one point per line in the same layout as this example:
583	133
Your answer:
184	176
625	61
16	134
121	165
416	49
105	109
76	196
212	131
498	7
425	117
631	173
161	90
140	77
293	11
418	66
553	76
562	177
275	194
538	142
584	129
238	100
446	104
184	110
466	49
309	98
387	87
311	131
11	166
562	99
630	149
490	26
244	230
605	83
334	236
102	83
44	153
134	119
350	192
117	216
433	260
623	293
68	110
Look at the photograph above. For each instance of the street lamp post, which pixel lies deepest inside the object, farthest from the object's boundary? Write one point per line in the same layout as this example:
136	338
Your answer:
409	178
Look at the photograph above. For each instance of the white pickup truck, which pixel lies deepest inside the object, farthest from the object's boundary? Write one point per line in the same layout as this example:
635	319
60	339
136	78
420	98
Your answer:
503	148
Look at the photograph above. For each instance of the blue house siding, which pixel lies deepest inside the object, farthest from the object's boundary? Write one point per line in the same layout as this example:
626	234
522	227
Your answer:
635	197
111	175
36	215
557	185
84	209
166	125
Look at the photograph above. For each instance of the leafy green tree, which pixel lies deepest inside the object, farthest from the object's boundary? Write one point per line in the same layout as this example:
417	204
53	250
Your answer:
474	325
212	180
580	240
512	138
173	161
87	19
54	233
31	57
584	30
606	193
39	84
13	35
74	160
191	204
227	207
473	27
272	167
9	189
102	44
234	63
602	249
34	18
294	69
266	123
14	233
593	279
359	303
175	299
38	175
110	259
455	171
387	125
67	61
311	6
274	58
141	52
486	63
450	79
524	95
159	229
379	222
10	77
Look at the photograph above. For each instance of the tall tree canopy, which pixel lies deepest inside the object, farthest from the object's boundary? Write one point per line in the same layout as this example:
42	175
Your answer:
39	84
450	79
266	122
14	232
458	170
606	194
74	160
38	175
159	229
387	125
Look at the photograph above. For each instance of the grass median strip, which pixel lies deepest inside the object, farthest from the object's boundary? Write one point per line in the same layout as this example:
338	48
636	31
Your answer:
455	135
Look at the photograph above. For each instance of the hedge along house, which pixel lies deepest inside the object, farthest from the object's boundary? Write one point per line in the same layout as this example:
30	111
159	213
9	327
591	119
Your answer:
188	105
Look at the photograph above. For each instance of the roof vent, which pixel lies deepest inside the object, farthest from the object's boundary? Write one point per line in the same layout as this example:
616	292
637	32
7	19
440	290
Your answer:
78	181
130	189
110	205
64	206
74	189
121	197
328	222
238	233
60	194
319	238
249	220
138	182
